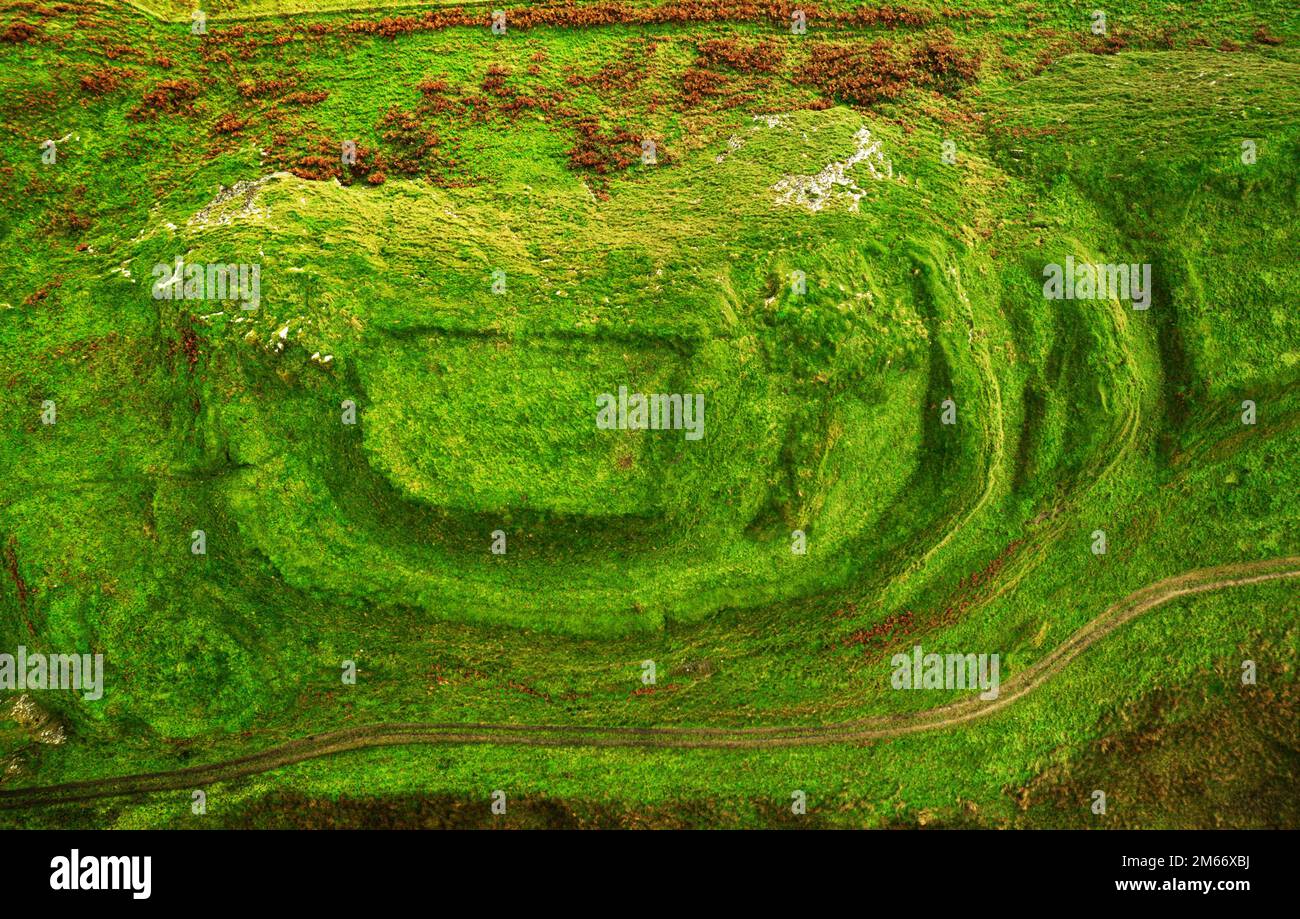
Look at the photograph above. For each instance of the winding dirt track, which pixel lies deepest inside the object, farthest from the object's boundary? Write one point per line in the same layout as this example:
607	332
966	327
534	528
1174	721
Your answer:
554	735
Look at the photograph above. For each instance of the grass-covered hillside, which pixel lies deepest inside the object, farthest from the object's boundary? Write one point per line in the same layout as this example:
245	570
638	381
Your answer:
386	451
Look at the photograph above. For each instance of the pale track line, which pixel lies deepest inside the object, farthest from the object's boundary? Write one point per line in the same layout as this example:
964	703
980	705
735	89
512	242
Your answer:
873	728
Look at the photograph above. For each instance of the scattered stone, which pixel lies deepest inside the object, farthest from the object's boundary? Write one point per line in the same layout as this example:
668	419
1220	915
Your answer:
814	192
43	726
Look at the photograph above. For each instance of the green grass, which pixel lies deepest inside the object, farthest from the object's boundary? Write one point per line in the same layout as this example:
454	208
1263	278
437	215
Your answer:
330	542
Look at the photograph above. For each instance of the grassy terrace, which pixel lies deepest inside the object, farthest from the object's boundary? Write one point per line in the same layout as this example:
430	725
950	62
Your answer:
499	254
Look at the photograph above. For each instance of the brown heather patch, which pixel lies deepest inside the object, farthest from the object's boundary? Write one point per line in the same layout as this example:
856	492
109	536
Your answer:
438	97
307	97
39	295
882	634
318	167
410	148
620	75
171	97
867	74
653	690
190	347
20	586
705	86
19	33
226	44
623	75
701	11
66	219
603	152
588	15
974	588
758	57
229	123
1062	43
722	75
105	80
261	89
1113	43
310	156
699	86
113	52
283	810
220	57
414	144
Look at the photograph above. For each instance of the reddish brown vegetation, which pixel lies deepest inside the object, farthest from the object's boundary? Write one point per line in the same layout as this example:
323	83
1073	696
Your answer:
317	168
603	152
622	75
761	57
943	66
244	40
11	561
701	85
675	12
113	52
652	690
867	74
725	72
65	219
438	97
528	690
1113	43
702	82
414	143
615	76
169	97
187	344
104	80
411	149
969	588
229	123
882	633
260	89
42	292
19	33
190	347
306	97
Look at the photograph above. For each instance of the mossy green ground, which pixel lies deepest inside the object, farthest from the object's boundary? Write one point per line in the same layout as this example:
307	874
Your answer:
371	542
